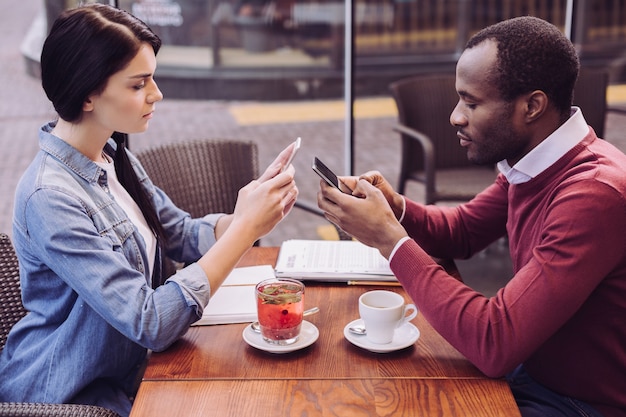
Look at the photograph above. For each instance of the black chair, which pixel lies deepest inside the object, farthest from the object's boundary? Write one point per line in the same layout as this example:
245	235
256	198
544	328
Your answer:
11	311
431	154
590	96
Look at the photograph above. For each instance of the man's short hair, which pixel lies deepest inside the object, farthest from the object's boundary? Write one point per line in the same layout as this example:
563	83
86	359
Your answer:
532	55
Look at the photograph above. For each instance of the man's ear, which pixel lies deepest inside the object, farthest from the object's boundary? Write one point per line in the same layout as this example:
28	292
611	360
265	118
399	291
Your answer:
536	105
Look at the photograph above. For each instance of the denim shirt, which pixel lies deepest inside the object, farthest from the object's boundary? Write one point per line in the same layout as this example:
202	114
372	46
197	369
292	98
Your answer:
93	313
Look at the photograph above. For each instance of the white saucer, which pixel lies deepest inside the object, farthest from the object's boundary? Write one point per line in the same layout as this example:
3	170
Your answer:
308	335
403	337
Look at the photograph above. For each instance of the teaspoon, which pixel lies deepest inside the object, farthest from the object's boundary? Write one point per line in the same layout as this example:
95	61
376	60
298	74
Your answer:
358	330
255	326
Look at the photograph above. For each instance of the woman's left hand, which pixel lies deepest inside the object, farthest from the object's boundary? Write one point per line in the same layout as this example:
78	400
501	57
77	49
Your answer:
262	205
275	167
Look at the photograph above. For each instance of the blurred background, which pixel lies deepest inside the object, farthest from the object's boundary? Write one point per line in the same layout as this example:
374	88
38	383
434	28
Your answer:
270	71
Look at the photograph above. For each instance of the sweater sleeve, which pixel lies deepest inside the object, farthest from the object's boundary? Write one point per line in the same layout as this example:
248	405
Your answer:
571	251
461	231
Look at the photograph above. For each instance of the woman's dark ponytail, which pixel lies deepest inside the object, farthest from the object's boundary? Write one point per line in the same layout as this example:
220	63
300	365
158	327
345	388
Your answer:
128	178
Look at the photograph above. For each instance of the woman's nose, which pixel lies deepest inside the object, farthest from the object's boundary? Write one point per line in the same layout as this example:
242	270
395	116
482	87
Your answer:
155	95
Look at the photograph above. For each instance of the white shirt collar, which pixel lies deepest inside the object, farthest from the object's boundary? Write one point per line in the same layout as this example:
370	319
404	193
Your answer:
568	135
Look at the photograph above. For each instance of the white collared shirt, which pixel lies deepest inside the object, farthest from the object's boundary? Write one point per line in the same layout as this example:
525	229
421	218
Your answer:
548	151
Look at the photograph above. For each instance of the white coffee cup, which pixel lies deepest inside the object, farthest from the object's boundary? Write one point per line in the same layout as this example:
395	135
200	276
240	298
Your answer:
382	313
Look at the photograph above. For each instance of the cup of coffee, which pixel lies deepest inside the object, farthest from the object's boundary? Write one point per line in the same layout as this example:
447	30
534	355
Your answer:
382	313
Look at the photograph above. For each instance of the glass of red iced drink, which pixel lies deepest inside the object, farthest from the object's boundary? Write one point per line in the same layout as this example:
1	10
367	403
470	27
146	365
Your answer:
280	303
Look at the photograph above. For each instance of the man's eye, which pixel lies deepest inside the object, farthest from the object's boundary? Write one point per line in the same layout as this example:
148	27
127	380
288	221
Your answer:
139	86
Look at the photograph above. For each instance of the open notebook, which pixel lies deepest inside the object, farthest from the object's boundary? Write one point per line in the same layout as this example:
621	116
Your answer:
331	260
234	301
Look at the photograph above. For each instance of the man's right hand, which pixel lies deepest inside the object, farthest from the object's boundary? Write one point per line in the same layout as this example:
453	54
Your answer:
395	200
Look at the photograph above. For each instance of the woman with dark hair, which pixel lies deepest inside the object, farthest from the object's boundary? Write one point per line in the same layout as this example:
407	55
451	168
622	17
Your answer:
89	225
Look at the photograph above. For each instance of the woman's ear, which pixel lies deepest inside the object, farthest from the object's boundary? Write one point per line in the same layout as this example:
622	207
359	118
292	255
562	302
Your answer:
536	105
88	104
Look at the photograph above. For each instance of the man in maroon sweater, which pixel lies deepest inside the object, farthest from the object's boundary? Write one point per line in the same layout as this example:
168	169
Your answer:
557	330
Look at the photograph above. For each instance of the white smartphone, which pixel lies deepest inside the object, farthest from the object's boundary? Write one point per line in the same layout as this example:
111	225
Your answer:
329	176
293	154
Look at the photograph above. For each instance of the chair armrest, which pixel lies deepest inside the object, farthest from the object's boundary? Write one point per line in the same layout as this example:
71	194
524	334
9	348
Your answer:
619	109
429	154
308	207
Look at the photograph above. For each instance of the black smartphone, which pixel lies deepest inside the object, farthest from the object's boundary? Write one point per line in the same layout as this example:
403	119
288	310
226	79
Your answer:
327	175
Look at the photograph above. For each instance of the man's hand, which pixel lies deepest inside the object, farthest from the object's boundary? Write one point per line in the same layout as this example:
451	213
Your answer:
369	218
395	200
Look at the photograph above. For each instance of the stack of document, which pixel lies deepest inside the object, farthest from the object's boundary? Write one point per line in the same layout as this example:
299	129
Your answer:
332	260
235	301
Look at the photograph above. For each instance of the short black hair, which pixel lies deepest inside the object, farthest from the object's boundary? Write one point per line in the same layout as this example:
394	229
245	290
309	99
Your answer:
532	55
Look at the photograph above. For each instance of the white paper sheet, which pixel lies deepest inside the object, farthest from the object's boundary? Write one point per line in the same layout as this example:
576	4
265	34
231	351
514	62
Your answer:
234	301
331	260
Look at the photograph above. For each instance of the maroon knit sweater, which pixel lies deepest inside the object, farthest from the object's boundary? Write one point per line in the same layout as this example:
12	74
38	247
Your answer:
563	313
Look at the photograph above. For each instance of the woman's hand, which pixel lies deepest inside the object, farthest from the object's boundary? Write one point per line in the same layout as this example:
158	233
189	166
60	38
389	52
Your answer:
275	167
366	214
262	205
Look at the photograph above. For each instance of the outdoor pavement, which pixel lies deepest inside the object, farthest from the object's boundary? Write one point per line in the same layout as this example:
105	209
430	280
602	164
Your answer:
24	108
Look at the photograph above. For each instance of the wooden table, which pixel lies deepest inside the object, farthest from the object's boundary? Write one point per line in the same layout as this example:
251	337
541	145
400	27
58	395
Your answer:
212	371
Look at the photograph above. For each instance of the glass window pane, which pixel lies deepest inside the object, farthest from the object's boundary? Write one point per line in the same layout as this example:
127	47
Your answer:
270	71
